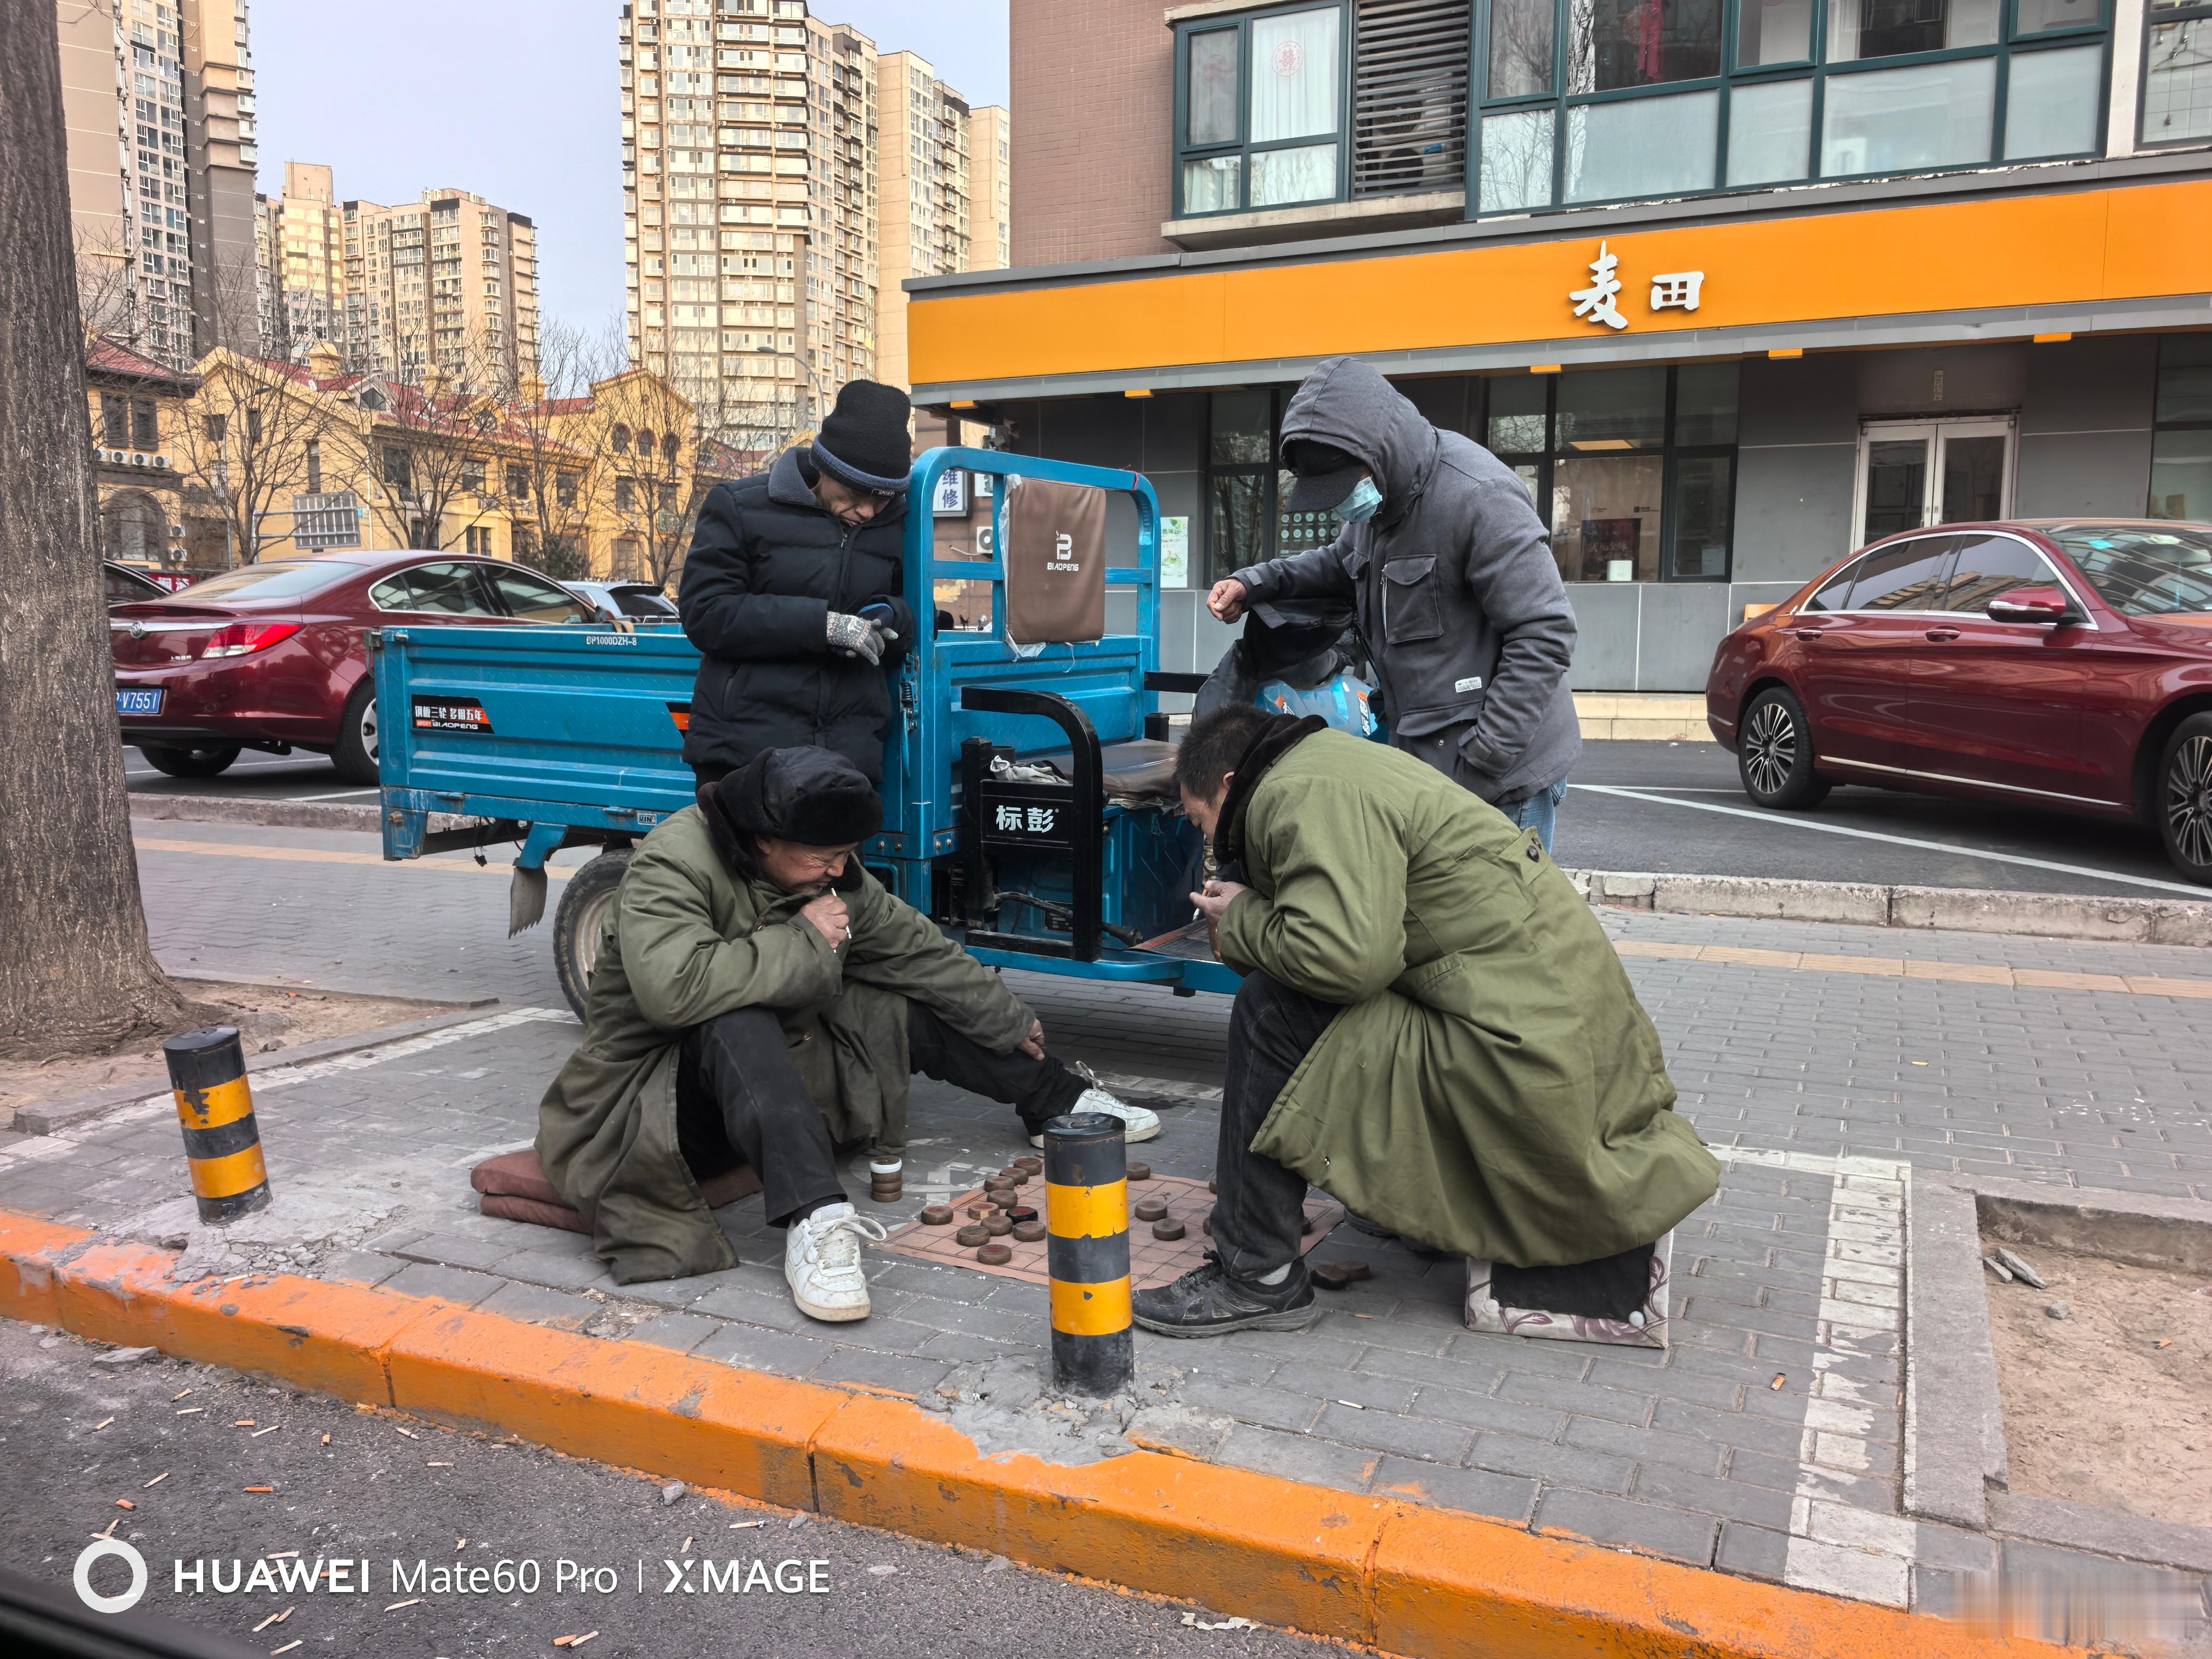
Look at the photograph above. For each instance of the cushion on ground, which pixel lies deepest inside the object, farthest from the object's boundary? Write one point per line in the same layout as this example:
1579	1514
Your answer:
513	1187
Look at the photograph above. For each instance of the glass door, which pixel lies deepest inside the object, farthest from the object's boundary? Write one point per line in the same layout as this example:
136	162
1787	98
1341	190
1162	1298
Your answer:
1913	474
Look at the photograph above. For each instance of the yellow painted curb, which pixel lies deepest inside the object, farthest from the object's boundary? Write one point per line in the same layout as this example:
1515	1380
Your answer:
1409	1579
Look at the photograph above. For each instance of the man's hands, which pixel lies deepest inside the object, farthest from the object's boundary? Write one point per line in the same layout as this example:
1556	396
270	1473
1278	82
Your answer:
1228	599
1033	1044
856	636
1214	903
830	919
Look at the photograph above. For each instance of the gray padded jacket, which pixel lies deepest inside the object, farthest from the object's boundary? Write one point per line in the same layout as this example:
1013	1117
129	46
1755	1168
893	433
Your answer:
1459	599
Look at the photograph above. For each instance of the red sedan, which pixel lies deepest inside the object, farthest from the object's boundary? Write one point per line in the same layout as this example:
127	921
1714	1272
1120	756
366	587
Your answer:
274	655
2063	664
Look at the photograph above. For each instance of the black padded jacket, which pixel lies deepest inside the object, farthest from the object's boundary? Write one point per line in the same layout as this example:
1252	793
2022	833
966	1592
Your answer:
767	567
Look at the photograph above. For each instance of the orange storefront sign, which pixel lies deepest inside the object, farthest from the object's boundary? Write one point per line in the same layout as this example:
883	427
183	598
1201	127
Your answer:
2075	247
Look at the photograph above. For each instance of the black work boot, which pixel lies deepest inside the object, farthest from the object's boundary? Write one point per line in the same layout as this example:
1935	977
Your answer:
1210	1300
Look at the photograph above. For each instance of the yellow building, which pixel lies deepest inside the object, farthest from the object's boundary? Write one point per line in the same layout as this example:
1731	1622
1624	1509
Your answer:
150	513
310	458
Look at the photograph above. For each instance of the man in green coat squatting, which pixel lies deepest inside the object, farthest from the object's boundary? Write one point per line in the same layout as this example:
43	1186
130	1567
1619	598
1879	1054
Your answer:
759	996
1433	1028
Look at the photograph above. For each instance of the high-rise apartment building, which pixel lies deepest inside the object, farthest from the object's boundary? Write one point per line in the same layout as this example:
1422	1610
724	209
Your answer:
781	179
990	188
300	238
449	282
936	151
748	158
158	99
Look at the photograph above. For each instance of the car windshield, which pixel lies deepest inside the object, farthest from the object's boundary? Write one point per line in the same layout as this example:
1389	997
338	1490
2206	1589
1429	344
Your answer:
2141	571
286	580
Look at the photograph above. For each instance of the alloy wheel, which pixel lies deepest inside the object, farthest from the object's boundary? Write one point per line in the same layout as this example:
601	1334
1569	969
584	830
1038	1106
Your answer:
1770	753
2188	801
369	728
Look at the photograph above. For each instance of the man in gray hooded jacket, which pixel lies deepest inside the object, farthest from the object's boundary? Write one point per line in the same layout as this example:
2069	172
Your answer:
1450	570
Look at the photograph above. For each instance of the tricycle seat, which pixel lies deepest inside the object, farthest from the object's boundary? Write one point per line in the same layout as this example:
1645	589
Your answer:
1142	769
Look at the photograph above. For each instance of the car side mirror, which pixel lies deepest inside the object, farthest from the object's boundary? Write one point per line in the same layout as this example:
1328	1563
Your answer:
2031	605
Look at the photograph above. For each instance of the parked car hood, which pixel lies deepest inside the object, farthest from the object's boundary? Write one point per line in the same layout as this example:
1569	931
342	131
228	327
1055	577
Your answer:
2191	633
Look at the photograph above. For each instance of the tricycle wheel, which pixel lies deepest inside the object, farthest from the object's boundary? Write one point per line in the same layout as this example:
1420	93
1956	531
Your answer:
581	919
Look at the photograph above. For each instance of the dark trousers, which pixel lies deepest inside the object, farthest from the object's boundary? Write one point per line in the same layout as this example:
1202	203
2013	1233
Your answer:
739	1097
1259	1216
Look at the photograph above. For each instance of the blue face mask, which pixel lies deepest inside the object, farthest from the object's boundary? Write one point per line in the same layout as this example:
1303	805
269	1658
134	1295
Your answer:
1361	504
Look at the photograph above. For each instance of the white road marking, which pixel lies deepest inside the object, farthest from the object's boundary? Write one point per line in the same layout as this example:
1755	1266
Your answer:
340	794
1776	819
280	1077
1835	1546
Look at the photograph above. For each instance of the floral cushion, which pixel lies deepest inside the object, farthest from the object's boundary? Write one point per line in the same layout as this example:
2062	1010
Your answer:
1645	1329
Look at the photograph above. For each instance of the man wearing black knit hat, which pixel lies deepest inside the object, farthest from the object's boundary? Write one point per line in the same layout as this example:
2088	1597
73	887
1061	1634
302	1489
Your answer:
791	589
758	997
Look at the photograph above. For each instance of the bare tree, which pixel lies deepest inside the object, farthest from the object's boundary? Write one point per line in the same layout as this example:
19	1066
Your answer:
551	422
258	434
651	430
106	287
425	446
81	975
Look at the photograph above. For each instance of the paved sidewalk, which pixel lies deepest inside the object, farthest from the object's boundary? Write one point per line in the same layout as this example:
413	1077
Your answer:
1765	1442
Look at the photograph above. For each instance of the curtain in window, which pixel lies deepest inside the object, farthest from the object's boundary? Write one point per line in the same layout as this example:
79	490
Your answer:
1294	74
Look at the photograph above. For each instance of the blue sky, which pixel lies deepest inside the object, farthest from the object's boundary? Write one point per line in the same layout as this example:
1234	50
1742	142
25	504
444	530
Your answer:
518	100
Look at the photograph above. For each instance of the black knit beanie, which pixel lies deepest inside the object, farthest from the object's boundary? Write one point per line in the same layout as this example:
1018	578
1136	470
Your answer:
863	443
814	797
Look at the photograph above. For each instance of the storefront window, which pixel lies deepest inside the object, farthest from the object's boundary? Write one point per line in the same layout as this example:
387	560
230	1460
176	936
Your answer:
1240	481
1659	98
1633	468
2181	447
2178	74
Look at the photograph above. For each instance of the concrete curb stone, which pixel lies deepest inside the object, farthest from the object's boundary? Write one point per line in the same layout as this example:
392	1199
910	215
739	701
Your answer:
1959	909
277	814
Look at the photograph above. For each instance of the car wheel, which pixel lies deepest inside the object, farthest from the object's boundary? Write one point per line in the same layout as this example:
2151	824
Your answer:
356	755
1774	753
190	762
586	904
2184	798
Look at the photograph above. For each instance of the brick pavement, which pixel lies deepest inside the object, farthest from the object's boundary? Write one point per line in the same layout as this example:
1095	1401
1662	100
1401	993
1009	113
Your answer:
1821	1090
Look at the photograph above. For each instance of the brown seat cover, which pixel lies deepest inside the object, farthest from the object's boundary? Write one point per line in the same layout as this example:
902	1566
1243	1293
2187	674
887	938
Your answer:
514	1186
1142	766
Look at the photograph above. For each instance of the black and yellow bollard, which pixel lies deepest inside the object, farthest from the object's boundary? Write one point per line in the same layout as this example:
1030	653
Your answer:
207	1069
1086	1197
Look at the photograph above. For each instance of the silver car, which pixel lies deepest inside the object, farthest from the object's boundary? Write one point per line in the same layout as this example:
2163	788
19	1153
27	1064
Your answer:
642	604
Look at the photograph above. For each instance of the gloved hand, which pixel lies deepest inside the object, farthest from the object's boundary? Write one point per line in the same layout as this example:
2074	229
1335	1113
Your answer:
856	636
881	615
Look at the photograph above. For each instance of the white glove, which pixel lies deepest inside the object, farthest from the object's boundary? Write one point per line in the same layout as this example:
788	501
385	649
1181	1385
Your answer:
856	636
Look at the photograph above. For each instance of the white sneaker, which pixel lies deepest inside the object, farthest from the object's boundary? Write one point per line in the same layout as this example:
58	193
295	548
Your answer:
822	1262
1138	1123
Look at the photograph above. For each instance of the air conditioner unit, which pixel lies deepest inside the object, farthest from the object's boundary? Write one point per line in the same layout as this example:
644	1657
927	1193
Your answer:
138	460
161	460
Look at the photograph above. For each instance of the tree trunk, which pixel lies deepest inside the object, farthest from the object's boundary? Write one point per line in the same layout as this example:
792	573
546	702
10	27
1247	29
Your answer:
77	973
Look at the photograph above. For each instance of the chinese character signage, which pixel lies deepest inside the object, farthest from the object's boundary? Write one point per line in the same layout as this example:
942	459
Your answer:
1599	303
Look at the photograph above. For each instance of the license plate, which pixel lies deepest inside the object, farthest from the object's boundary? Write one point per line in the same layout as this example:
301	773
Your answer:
145	701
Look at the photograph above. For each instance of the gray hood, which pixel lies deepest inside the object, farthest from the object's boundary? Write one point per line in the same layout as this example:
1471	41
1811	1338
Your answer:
1346	403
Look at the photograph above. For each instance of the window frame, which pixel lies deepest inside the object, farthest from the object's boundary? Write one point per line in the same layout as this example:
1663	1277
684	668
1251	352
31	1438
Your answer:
2152	19
1669	453
1816	69
1243	148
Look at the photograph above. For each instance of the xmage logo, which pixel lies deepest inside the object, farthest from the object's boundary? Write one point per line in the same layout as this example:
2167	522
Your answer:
98	1550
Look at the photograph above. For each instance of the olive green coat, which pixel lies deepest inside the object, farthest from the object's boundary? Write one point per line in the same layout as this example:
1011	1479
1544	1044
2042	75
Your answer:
1492	1087
686	940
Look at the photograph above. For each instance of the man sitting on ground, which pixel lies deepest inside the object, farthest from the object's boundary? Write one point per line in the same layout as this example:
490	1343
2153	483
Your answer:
759	996
1433	1028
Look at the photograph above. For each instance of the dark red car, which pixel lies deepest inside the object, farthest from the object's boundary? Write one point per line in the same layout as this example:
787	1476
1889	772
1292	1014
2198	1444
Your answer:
274	655
2063	664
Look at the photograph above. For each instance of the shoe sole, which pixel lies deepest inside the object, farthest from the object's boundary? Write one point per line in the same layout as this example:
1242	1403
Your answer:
830	1316
1152	1133
1285	1319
